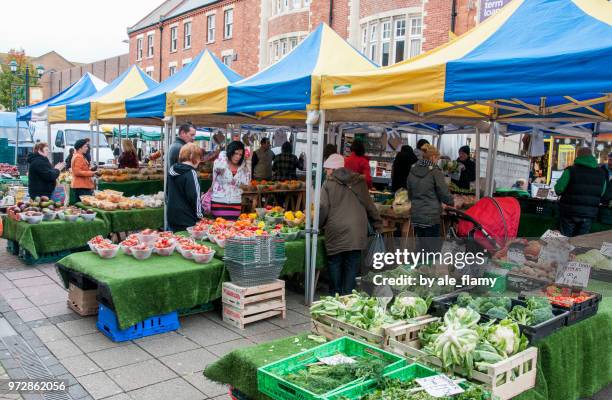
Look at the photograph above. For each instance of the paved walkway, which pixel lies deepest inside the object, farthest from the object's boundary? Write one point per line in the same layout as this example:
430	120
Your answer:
167	366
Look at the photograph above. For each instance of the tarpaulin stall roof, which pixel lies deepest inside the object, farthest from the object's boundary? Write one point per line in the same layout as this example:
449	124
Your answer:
108	101
534	54
86	86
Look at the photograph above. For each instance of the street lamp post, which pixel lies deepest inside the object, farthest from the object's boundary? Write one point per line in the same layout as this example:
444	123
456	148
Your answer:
39	71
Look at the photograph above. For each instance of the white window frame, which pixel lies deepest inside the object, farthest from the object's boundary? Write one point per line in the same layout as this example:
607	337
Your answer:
399	37
414	19
150	45
228	23
150	69
227	59
211	28
139	43
415	36
386	28
393	29
187	35
373	44
171	70
297	4
293	42
173	38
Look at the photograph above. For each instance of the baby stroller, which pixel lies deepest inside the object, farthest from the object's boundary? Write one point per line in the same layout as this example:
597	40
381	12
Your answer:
488	224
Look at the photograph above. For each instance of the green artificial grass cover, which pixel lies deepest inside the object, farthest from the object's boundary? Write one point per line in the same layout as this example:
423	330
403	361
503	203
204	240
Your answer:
142	289
239	368
295	251
130	220
52	236
573	363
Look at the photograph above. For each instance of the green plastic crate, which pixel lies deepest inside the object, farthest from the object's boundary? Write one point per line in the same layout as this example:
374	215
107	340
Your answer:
408	373
270	379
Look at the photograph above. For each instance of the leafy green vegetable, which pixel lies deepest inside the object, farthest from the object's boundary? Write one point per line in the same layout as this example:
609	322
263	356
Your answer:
541	315
464	299
497	313
506	338
394	389
461	316
522	315
407	307
533	303
321	378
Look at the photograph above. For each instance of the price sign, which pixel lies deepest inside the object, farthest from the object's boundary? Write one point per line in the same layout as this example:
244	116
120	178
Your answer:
542	193
337	360
439	386
554	235
574	274
516	256
606	249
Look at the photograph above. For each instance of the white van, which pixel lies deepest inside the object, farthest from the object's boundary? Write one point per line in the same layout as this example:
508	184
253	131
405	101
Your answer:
64	136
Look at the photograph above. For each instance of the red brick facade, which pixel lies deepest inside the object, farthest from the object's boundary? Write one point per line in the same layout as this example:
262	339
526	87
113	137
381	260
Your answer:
259	25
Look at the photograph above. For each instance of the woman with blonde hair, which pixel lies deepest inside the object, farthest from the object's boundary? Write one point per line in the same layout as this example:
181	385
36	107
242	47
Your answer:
184	206
128	158
428	192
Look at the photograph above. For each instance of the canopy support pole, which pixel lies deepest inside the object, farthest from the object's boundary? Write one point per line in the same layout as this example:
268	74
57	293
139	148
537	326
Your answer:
477	157
98	142
493	139
311	119
594	137
49	142
317	199
17	143
91	138
490	158
164	138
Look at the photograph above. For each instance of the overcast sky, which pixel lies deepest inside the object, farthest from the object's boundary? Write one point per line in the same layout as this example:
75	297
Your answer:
80	30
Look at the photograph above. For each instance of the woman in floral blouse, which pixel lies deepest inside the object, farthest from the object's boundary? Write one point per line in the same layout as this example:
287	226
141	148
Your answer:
230	171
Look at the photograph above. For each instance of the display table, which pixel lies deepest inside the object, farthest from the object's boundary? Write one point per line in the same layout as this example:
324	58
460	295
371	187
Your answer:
142	289
295	252
130	220
293	199
573	363
52	236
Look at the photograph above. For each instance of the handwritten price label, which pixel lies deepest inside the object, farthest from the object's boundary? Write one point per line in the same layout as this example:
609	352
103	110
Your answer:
574	274
606	249
439	386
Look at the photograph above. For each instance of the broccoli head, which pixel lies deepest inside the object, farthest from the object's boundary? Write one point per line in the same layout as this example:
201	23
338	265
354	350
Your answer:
533	303
464	299
522	315
497	313
541	315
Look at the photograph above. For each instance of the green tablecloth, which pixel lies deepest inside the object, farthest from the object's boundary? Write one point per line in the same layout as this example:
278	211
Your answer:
534	225
52	236
573	363
294	250
158	285
130	220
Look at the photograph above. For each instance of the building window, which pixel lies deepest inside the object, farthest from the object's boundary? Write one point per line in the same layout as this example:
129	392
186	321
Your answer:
293	43
227	60
150	46
373	42
297	4
228	23
173	38
279	6
139	49
389	41
306	2
400	40
187	35
210	34
171	70
149	71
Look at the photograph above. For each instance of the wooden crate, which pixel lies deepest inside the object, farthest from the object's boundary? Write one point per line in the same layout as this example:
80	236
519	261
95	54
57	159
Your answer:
244	305
83	302
505	379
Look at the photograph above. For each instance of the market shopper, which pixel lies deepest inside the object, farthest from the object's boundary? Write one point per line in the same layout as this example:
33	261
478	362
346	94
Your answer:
401	167
82	173
184	206
261	163
358	162
581	187
467	168
346	208
128	158
186	134
68	160
328	150
230	171
285	164
42	176
419	148
428	192
607	167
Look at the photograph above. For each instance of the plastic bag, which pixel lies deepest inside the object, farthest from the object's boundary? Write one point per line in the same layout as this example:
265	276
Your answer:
377	245
207	201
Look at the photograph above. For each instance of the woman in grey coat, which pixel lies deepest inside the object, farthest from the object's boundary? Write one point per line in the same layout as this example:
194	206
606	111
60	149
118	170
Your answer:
428	192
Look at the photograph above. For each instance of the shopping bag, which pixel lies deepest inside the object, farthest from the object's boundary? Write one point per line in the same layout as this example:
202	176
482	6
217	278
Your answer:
206	200
59	194
377	245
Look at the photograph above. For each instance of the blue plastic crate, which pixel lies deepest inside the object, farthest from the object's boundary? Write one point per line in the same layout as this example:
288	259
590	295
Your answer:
108	325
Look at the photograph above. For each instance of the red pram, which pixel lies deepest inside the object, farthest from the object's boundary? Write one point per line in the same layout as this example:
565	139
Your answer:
490	223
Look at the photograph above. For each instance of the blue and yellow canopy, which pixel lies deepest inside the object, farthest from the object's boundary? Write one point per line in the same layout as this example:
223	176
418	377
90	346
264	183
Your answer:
107	103
530	49
86	86
293	83
198	88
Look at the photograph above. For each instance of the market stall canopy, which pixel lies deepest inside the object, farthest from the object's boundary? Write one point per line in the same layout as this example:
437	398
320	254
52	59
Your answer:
199	88
293	83
81	89
107	101
530	49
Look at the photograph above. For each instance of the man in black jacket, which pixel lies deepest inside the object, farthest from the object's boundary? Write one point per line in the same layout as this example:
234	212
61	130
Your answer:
41	175
184	206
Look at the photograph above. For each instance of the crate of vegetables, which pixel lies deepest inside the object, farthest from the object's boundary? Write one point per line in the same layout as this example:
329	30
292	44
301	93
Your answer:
402	385
492	353
536	317
323	370
580	304
362	317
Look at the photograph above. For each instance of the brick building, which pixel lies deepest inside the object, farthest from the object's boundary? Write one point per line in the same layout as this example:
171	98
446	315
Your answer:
249	35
